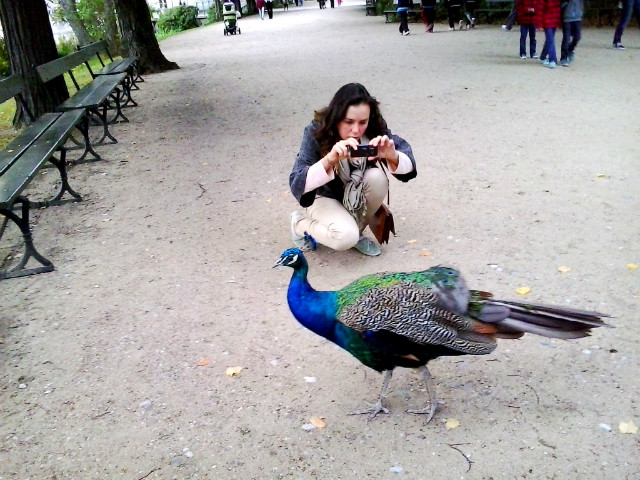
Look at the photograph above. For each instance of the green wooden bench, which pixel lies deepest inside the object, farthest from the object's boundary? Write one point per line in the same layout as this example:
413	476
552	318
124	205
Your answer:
128	65
391	16
489	8
105	93
20	161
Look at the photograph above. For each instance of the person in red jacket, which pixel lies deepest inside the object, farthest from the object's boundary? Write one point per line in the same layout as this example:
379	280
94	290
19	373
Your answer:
526	15
547	17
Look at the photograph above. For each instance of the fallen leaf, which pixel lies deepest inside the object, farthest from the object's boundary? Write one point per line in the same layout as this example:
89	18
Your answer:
632	266
204	362
425	254
628	427
564	269
412	241
318	422
601	175
451	423
205	164
233	371
523	290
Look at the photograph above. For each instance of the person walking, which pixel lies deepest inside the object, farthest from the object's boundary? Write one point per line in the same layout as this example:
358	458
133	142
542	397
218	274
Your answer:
428	14
511	18
547	17
260	4
469	13
629	7
526	17
269	4
402	11
572	11
453	12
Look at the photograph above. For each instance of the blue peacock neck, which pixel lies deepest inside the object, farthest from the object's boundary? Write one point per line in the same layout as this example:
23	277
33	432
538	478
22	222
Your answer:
315	310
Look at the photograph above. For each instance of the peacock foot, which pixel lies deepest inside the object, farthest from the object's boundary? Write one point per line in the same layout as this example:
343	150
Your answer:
374	410
428	411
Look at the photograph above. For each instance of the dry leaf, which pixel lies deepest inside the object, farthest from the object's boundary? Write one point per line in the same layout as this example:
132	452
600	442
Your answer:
233	371
425	254
564	269
412	241
451	423
204	362
523	290
628	427
632	266
601	175
318	422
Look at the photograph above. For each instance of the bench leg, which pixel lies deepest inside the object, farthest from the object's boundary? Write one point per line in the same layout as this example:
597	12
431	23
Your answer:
61	164
102	117
88	148
29	249
116	105
128	85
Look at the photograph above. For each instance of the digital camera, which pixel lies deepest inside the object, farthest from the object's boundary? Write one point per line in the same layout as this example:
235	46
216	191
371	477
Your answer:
363	151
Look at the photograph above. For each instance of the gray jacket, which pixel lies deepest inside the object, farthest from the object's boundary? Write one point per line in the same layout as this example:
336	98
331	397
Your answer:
572	10
310	153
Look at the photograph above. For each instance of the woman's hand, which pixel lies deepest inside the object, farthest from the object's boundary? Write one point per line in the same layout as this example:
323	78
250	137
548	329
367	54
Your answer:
387	150
338	152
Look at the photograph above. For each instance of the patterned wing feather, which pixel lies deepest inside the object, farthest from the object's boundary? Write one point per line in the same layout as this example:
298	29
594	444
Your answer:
392	303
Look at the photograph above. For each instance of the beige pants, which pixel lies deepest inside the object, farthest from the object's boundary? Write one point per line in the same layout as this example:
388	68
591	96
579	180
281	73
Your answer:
332	225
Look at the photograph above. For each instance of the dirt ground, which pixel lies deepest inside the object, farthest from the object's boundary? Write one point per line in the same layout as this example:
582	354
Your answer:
114	365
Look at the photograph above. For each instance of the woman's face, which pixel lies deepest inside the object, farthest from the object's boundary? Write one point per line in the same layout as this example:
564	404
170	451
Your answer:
355	121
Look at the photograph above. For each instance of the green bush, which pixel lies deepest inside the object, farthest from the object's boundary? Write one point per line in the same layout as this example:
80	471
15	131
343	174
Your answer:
66	45
178	19
212	14
5	68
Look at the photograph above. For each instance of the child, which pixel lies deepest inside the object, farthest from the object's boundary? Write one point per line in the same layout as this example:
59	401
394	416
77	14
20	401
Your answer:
526	14
469	12
572	11
428	14
547	17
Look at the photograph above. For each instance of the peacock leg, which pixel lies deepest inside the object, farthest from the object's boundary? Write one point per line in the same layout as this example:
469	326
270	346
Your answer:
433	403
377	408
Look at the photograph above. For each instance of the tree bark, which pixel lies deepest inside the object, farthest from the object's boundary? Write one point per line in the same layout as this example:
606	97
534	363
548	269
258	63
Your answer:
138	37
111	26
71	16
30	42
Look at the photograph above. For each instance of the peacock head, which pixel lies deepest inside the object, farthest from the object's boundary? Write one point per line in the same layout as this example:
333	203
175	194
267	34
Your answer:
291	257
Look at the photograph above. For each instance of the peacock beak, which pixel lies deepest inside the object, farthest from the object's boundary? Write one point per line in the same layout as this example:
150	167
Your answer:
278	263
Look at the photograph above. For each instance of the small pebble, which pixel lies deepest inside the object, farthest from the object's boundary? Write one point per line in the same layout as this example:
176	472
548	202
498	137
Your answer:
22	386
586	351
606	427
396	469
308	426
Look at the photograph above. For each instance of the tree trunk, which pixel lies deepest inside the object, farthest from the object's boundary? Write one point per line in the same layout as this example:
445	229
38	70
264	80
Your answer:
138	38
71	16
30	42
111	26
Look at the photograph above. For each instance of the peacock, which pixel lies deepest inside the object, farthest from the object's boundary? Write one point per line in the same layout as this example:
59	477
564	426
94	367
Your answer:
389	320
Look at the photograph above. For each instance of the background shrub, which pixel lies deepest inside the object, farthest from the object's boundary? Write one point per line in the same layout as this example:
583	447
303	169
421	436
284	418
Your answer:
178	19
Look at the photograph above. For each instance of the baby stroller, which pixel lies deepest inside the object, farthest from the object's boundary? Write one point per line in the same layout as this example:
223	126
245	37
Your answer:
230	18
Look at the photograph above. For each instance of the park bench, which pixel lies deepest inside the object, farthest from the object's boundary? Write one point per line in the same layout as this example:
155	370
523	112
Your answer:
492	7
601	9
370	7
20	161
128	65
104	93
413	15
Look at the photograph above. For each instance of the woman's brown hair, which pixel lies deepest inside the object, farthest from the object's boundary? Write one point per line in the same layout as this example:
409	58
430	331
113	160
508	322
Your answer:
329	117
